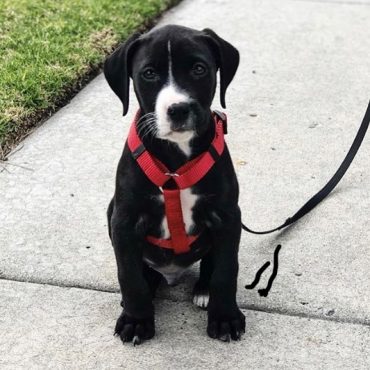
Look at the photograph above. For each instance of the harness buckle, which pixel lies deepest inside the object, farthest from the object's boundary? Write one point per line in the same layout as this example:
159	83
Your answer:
170	174
223	118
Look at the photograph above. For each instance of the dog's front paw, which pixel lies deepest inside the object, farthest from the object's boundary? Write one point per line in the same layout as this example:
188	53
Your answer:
226	326
134	330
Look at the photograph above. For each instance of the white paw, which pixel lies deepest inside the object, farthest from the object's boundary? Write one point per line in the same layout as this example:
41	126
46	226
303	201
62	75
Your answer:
201	300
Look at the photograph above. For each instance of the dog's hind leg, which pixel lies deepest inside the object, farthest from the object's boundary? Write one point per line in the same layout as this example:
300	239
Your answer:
201	287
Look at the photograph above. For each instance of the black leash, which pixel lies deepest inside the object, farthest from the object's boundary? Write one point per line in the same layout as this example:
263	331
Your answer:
325	191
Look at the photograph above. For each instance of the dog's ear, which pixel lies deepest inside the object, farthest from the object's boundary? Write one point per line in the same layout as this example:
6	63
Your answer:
227	59
117	70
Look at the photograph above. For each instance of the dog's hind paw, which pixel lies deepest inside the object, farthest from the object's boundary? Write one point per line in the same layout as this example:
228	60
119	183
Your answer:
201	300
201	295
134	330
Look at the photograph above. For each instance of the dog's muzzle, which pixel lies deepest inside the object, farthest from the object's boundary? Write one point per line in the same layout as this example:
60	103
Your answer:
180	117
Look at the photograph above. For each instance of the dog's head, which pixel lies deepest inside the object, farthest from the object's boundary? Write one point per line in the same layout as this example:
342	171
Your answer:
174	73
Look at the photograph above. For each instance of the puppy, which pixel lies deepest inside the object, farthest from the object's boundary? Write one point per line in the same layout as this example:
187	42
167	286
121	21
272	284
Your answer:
165	215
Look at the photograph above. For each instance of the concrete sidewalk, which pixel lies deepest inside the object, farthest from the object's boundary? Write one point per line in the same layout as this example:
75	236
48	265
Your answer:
294	108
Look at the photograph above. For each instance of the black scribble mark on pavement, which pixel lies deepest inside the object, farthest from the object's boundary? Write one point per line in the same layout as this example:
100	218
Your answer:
258	276
264	292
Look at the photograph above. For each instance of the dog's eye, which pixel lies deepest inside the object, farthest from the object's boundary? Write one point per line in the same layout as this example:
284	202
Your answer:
149	74
199	69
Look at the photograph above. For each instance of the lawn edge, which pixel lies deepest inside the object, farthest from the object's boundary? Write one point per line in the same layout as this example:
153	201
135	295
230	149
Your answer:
33	121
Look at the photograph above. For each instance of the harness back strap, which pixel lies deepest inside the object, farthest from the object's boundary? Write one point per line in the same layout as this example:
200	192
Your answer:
186	176
332	183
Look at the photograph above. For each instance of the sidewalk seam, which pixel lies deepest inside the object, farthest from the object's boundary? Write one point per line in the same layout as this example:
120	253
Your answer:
59	285
245	307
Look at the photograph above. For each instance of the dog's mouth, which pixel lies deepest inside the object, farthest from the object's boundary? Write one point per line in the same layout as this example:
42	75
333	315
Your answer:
178	130
177	136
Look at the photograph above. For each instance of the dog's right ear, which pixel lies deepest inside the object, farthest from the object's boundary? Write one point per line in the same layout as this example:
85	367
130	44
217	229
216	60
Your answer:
117	69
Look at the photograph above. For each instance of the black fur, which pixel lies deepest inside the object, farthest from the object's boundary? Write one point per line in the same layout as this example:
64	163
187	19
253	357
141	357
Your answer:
135	211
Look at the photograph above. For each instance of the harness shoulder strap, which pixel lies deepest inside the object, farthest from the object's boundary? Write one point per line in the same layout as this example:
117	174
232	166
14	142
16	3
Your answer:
332	183
193	171
153	169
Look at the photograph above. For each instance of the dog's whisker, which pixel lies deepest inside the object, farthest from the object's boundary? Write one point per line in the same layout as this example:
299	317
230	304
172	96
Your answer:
146	122
153	133
146	117
147	126
147	130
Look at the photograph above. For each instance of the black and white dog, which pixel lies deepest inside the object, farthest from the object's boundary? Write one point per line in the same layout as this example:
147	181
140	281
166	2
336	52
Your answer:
174	70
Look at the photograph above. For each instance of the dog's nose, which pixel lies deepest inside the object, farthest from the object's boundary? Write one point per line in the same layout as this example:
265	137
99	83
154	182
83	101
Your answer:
178	113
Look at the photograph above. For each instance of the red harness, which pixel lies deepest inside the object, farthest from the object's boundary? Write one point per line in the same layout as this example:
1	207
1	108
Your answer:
185	177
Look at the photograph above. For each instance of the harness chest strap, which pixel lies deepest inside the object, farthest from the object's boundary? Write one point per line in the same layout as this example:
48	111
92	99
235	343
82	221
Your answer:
186	176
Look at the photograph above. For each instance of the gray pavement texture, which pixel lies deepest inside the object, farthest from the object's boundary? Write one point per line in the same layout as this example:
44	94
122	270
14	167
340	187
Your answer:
294	108
74	330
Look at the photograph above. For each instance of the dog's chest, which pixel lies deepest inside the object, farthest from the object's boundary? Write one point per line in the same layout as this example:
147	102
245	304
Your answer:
188	201
171	271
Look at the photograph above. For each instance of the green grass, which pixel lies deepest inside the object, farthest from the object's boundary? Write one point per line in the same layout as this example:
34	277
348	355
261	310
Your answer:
48	48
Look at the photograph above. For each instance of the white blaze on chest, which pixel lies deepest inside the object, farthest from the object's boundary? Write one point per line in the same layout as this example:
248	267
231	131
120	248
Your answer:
188	201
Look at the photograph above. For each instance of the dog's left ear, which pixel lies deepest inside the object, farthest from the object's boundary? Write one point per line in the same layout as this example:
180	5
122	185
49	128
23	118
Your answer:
117	70
227	59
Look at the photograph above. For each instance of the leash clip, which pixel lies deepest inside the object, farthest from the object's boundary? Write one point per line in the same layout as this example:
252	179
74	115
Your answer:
172	174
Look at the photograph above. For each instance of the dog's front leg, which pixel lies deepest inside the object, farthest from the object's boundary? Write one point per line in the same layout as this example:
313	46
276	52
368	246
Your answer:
225	320
136	321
